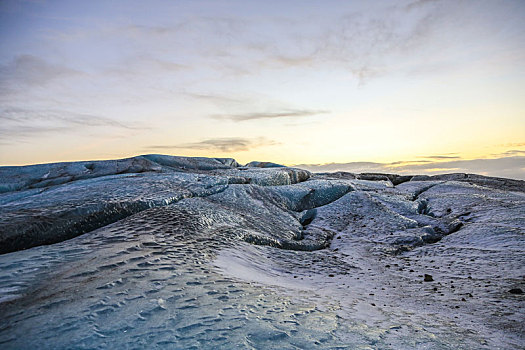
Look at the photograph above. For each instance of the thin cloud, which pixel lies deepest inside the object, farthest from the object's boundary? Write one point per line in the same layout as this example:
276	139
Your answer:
214	98
441	157
232	144
356	42
299	113
219	26
402	162
512	152
280	61
360	44
21	115
513	144
420	3
233	107
143	65
28	70
22	131
18	124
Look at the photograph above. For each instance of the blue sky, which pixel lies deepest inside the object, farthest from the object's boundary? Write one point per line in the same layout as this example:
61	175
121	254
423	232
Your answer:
287	81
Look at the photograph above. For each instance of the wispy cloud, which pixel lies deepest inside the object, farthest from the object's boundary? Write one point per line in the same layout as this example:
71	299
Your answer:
144	65
357	41
20	123
29	70
420	3
21	115
14	133
403	162
440	157
217	26
234	107
232	144
298	113
513	144
512	152
216	99
360	43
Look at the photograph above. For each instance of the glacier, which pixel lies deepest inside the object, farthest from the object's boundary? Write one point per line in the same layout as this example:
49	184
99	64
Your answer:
160	251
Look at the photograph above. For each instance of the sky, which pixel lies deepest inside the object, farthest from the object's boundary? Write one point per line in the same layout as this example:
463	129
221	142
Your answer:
413	85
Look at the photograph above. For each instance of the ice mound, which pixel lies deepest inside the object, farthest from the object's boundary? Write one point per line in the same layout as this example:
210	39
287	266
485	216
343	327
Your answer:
48	203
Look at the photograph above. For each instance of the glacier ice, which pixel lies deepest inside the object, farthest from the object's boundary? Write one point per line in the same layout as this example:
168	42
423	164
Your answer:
176	252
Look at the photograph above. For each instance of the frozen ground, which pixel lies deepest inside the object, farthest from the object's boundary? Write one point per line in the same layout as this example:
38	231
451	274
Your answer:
175	252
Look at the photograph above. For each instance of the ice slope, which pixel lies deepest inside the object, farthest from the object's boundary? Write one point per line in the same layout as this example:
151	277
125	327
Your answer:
48	203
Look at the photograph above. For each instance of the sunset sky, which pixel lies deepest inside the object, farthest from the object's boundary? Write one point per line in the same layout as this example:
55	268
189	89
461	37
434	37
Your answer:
435	84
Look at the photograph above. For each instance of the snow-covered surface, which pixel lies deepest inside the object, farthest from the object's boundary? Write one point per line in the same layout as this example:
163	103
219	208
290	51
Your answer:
176	252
